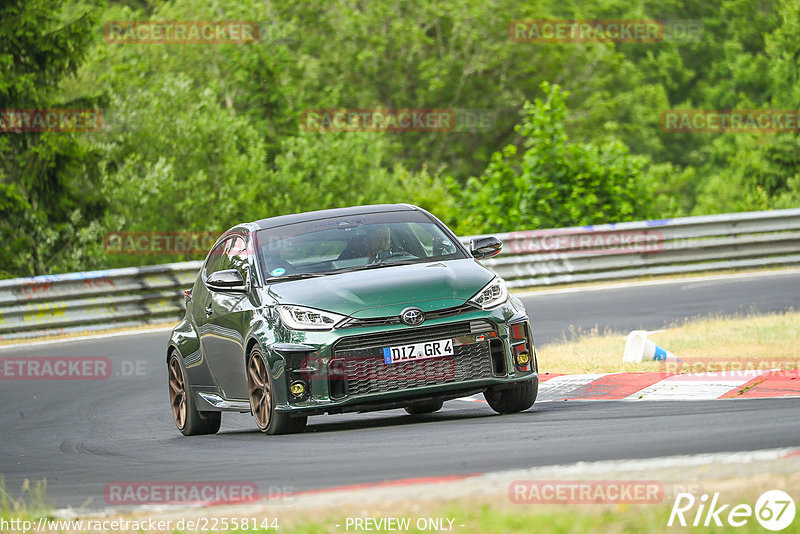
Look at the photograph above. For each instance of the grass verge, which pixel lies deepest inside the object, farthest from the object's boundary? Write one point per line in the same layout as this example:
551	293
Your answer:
30	502
484	518
773	337
481	515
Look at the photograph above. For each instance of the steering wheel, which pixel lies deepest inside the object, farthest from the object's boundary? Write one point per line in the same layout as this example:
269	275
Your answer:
384	255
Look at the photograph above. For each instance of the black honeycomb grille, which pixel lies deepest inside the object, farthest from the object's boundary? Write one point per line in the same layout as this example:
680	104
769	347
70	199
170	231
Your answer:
368	375
409	335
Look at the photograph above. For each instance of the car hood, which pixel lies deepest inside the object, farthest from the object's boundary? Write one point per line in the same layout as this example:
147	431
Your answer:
386	291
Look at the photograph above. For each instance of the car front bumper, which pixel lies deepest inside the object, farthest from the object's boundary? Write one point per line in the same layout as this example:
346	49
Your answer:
404	398
347	372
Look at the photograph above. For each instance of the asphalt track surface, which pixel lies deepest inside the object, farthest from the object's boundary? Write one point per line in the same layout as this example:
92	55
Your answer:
82	435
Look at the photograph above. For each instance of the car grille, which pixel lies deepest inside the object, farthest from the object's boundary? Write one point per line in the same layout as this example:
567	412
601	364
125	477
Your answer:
410	335
395	319
365	371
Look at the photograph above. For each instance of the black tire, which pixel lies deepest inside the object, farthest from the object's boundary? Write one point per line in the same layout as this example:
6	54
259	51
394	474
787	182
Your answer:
260	389
184	412
514	399
428	407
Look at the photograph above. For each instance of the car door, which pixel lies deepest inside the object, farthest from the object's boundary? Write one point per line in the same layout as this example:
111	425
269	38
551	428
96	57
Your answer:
224	315
197	364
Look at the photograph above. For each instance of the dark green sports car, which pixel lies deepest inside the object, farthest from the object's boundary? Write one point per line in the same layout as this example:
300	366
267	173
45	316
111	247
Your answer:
353	309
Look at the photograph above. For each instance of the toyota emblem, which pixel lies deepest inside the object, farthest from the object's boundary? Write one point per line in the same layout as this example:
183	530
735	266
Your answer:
412	316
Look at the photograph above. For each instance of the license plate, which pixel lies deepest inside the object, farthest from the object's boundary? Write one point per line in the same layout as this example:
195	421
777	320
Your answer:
418	351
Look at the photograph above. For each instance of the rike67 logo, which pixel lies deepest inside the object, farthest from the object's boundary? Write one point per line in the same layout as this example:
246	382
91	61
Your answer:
774	510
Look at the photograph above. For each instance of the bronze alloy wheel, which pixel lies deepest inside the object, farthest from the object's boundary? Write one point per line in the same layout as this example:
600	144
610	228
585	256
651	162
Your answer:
260	393
188	420
177	393
262	400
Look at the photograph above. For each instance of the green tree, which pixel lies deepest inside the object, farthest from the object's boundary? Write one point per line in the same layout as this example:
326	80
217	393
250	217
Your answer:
330	170
48	180
175	160
553	182
759	171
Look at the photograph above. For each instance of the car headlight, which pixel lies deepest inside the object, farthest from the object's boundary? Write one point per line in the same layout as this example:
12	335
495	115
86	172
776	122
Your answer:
493	294
302	318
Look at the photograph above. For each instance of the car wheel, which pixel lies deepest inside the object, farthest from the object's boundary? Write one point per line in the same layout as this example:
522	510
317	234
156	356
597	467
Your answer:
262	400
428	407
514	399
184	412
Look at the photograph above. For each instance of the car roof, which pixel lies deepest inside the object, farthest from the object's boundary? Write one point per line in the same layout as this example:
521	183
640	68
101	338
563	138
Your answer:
282	220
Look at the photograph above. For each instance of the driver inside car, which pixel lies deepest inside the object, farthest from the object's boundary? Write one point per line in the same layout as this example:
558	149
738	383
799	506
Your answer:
379	243
382	244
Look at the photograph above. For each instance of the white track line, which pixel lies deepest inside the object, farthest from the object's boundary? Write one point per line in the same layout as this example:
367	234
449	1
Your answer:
650	464
87	338
560	387
691	387
705	386
620	285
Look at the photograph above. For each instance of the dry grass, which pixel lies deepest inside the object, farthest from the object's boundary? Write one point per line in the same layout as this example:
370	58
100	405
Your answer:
762	337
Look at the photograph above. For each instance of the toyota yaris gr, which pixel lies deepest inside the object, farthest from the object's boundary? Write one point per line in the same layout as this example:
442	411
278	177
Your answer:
346	310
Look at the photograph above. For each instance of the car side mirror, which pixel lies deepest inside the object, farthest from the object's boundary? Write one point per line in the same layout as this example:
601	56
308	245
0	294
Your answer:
227	280
485	247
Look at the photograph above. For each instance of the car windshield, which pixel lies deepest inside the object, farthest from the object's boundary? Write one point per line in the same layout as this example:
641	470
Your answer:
363	241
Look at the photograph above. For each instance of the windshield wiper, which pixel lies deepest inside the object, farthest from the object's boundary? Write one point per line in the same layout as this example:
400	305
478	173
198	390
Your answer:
377	265
295	276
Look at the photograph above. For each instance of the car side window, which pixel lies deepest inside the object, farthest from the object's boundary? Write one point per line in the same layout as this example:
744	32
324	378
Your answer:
433	245
217	260
236	256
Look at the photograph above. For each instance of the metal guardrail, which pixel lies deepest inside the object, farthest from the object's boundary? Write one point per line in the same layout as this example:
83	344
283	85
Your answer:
626	250
79	302
95	300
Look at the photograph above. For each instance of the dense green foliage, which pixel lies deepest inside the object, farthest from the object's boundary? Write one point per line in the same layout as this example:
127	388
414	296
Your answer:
198	137
553	182
48	181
